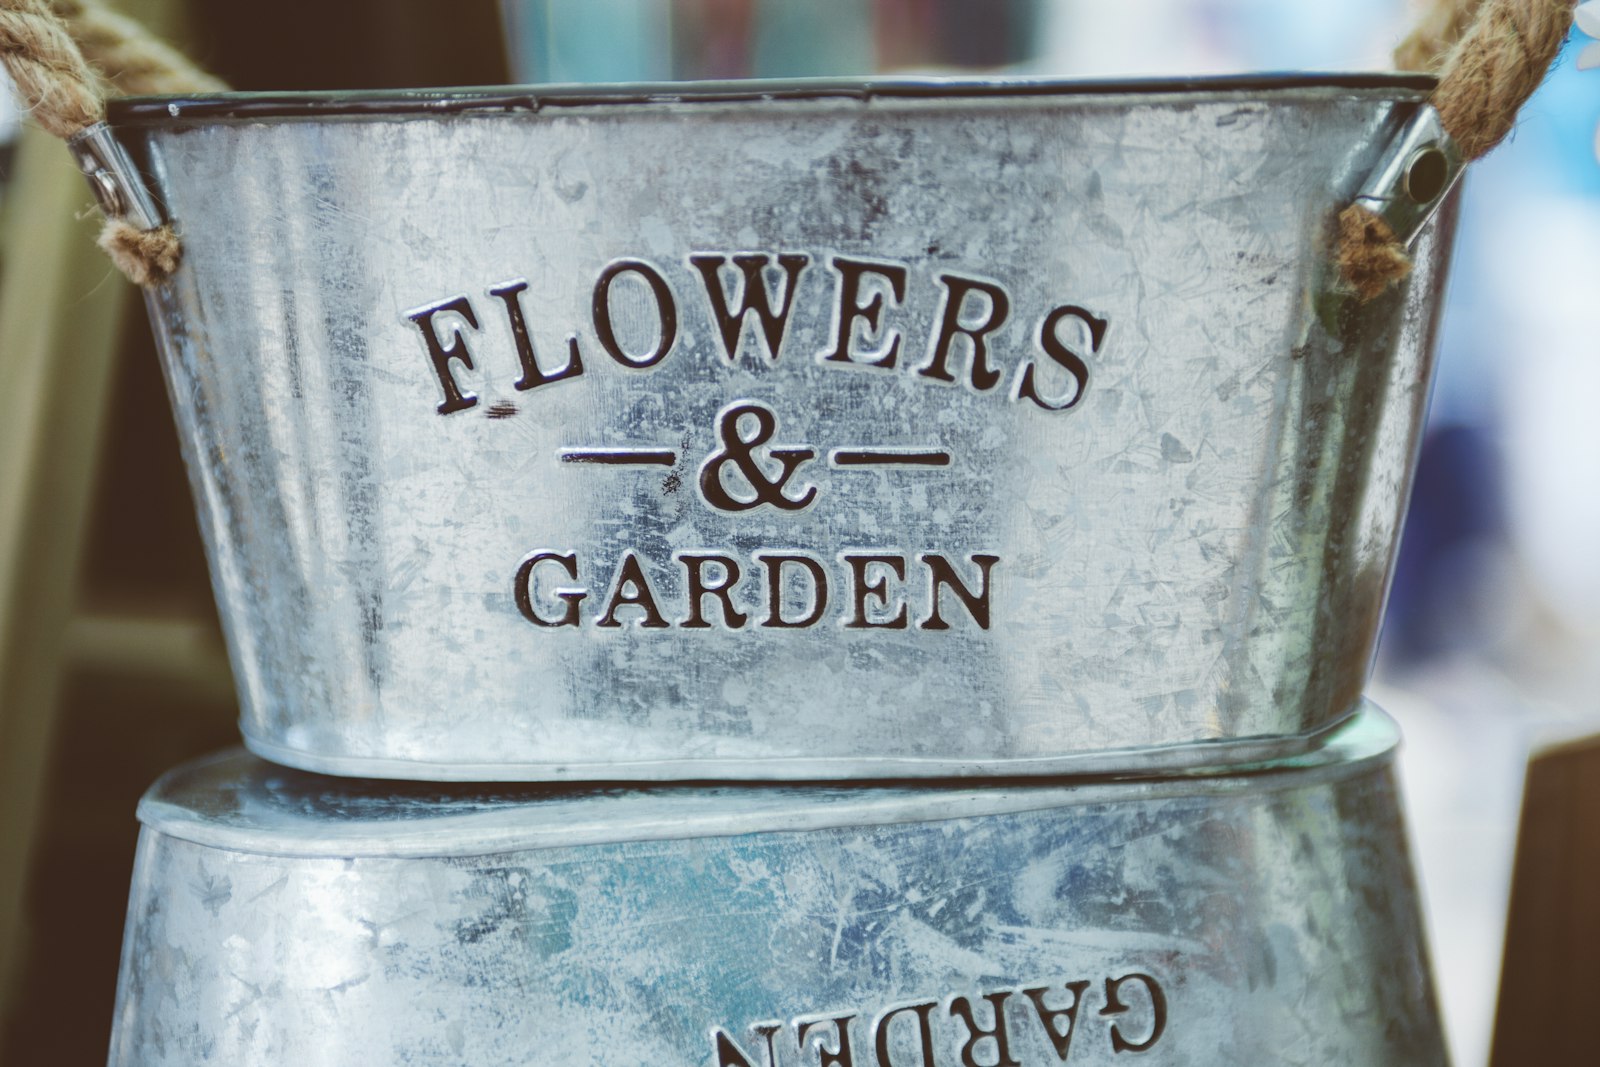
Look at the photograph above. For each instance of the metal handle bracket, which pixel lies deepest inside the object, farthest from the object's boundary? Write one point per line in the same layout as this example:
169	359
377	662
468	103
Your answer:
116	182
1414	175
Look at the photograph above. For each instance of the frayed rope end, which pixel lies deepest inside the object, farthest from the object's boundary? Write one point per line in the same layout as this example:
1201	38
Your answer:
1371	258
147	257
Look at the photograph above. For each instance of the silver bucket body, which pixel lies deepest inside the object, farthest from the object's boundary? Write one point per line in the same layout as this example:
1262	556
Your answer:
1041	445
1265	918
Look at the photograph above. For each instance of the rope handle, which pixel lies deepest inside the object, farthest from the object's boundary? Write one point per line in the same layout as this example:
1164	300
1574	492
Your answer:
65	57
1490	56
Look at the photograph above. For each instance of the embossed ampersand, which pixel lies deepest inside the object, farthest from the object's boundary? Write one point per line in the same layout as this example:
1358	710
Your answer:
745	454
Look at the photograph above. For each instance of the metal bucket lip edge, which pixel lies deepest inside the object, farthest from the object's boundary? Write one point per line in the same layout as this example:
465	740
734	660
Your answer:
255	106
688	811
1204	757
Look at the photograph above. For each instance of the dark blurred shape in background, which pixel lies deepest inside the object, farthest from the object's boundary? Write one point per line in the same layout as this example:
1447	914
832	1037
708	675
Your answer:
1455	528
351	44
675	40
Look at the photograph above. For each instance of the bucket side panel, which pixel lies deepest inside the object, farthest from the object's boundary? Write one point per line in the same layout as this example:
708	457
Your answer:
1137	517
1274	927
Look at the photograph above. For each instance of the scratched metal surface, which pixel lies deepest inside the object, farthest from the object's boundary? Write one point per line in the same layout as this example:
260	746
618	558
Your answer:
1187	566
278	917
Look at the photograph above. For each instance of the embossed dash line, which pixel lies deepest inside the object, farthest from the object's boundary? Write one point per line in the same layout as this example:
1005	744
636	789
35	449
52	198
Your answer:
657	457
889	457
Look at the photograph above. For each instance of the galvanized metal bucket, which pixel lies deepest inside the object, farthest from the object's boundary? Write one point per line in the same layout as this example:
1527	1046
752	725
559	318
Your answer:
788	431
1266	917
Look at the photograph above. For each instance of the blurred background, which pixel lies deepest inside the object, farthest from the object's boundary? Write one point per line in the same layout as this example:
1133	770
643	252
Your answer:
111	669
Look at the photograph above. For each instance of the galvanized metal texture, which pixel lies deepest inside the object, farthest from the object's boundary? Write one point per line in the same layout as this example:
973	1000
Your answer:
1043	451
1263	918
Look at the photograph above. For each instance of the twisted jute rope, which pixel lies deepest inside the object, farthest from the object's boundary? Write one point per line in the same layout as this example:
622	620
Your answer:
63	58
133	60
1490	56
1443	24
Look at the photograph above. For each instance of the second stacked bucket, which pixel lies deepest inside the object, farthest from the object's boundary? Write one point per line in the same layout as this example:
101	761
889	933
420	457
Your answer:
821	431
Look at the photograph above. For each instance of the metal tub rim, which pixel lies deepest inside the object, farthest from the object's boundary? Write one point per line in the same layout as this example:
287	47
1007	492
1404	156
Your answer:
1178	757
317	816
169	109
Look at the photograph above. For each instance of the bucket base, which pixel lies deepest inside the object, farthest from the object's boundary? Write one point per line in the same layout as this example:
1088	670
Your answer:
1156	759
